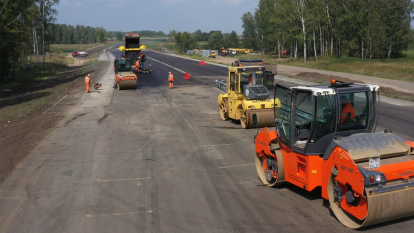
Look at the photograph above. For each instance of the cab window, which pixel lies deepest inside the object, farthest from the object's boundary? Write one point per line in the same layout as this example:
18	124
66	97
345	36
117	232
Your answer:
353	111
325	116
283	113
124	65
303	118
232	81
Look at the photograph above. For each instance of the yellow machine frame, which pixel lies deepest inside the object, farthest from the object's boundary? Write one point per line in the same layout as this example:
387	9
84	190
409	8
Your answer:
237	107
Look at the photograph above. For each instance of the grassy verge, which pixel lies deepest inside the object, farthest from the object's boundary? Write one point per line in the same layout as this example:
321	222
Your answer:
169	46
68	48
43	90
154	44
55	63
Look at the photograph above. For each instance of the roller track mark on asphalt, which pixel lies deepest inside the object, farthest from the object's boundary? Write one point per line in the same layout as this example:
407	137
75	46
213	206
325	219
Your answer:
114	180
214	154
73	118
103	118
165	64
242	165
117	214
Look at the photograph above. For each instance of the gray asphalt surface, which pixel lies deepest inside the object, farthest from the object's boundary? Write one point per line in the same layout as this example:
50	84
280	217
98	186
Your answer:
159	160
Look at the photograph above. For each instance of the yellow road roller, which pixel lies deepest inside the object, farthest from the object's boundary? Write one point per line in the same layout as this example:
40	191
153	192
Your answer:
246	95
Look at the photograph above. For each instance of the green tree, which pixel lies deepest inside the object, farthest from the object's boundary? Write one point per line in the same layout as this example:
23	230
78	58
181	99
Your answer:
215	40
250	31
100	35
198	35
119	36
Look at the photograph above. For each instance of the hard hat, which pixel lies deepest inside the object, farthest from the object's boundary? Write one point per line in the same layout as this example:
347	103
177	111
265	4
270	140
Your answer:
169	72
89	75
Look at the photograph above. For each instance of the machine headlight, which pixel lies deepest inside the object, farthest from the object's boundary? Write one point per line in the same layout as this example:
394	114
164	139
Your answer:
378	178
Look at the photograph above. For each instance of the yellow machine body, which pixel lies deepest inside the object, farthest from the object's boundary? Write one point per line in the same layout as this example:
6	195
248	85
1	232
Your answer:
234	104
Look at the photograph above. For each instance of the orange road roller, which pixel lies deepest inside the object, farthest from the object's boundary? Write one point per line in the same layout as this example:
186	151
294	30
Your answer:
125	78
325	137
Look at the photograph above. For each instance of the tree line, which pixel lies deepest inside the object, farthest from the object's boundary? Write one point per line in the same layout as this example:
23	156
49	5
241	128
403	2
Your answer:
148	33
23	31
214	39
79	34
354	28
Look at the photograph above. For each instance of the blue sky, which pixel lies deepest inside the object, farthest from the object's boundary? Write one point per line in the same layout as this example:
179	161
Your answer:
156	15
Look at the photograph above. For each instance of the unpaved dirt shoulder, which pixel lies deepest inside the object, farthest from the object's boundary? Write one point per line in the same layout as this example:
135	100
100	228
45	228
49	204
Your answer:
30	113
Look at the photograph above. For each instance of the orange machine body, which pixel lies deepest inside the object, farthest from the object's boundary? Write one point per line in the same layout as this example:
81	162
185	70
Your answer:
311	171
119	77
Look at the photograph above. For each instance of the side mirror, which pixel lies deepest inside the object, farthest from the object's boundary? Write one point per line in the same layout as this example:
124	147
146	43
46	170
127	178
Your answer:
254	116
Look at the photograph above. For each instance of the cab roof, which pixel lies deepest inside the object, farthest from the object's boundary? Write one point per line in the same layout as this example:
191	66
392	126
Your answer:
319	89
249	68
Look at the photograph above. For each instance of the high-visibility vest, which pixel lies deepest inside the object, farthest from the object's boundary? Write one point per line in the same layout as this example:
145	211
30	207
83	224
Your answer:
171	78
347	109
137	63
87	80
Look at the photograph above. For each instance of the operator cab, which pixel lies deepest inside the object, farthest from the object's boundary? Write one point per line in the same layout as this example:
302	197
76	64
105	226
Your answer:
123	65
311	116
254	78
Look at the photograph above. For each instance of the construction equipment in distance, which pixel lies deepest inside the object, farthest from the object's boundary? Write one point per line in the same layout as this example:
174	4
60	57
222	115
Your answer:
367	177
132	47
271	69
212	54
124	77
245	95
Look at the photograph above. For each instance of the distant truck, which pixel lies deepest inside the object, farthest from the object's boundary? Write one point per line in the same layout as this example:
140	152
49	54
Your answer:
132	47
80	54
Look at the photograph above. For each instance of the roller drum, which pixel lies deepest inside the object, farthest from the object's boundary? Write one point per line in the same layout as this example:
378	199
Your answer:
128	84
265	118
382	207
261	170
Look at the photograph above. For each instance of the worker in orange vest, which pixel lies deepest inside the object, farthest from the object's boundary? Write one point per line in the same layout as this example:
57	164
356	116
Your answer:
171	79
137	64
251	80
88	82
347	111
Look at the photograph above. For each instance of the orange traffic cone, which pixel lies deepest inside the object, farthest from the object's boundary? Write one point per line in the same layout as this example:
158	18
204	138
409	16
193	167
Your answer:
187	76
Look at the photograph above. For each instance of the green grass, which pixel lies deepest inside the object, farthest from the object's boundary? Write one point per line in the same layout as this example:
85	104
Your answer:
30	75
67	48
169	46
154	44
